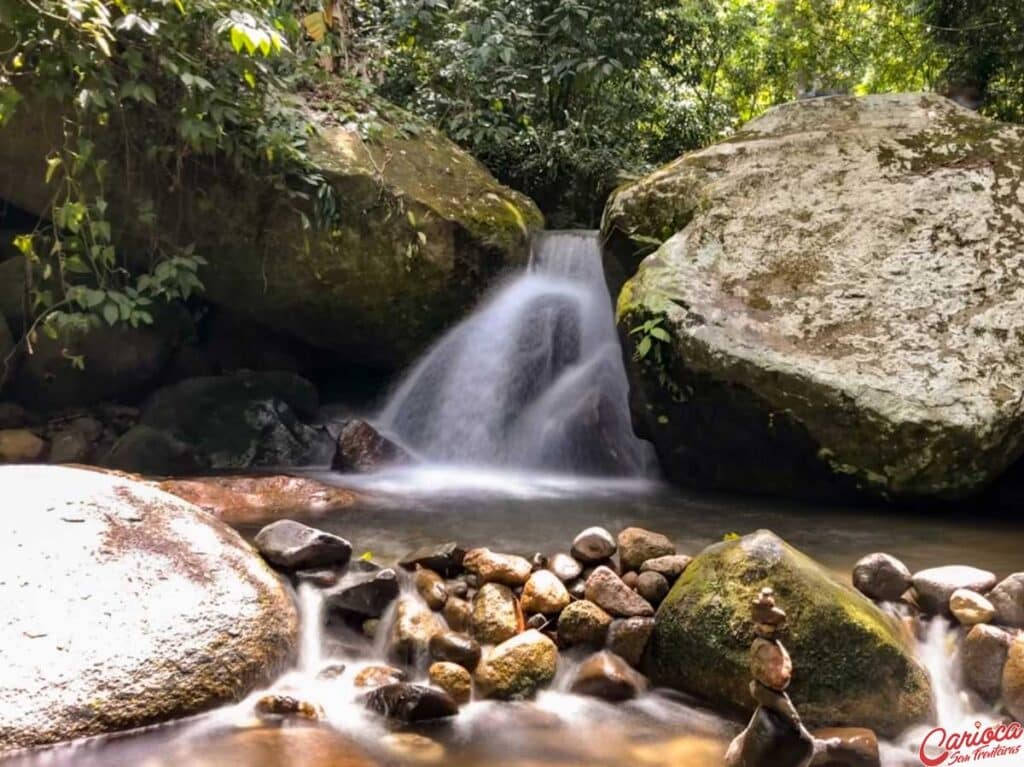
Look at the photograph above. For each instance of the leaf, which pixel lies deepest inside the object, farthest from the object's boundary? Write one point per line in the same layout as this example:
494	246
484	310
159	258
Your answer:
111	313
661	334
643	347
315	25
52	163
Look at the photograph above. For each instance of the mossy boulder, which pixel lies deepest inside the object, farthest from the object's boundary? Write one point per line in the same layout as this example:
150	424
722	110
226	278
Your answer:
422	230
839	289
852	665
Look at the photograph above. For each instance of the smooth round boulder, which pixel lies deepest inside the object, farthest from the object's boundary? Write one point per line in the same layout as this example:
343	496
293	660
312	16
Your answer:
593	545
496	614
652	586
881	577
607	676
583	622
565	566
411	703
292	545
970	608
123	606
453	679
458	614
431	587
544	593
637	545
982	659
935	586
453	647
517	668
1008	599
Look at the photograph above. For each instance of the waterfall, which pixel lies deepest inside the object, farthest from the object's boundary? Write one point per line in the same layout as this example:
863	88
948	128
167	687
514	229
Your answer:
533	379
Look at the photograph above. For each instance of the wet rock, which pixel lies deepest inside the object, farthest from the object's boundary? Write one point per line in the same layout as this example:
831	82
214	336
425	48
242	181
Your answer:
69	446
454	647
770	740
637	545
671	566
457	588
168	611
846	747
360	447
982	659
287	706
415	625
538	621
577	588
332	671
607	591
970	608
491	567
517	668
292	545
1008	600
411	702
881	577
935	586
364	593
1013	680
544	593
770	664
652	586
852	665
628	638
775	701
432	588
370	627
583	622
538	561
453	679
458	614
378	676
323	578
565	567
593	545
444	558
496	614
413	748
20	446
631	579
607	676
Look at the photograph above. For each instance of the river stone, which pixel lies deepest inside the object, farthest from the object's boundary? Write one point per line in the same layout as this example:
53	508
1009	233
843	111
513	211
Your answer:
881	577
607	591
770	739
846	747
566	567
607	676
877	343
367	594
168	611
492	567
496	614
20	446
651	586
970	608
377	676
517	668
593	545
628	638
444	558
458	614
453	679
983	657
454	647
671	566
770	664
544	593
1008	599
1013	679
292	545
852	665
361	448
411	702
414	626
583	622
431	588
934	587
637	545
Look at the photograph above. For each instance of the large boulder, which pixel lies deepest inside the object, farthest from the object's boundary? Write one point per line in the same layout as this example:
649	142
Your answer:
852	666
421	230
122	606
838	299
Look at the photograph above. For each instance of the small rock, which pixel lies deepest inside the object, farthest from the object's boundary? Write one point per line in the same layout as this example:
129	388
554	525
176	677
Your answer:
935	586
285	705
593	545
846	747
538	621
458	614
415	625
881	577
370	627
413	748
445	558
457	588
332	671
362	448
491	567
770	740
577	588
411	702
970	608
453	679
453	647
607	591
69	446
20	446
544	593
538	561
517	668
652	586
637	545
631	579
628	638
670	565
607	676
1013	680
294	546
1008	600
431	587
982	659
367	594
496	614
583	622
778	702
378	676
323	578
566	567
765	614
770	664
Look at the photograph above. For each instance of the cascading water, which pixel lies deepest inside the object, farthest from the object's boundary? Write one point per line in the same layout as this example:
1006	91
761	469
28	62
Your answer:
533	379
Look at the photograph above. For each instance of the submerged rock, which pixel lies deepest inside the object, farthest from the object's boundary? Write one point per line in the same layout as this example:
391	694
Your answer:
877	344
124	606
411	702
851	663
292	545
